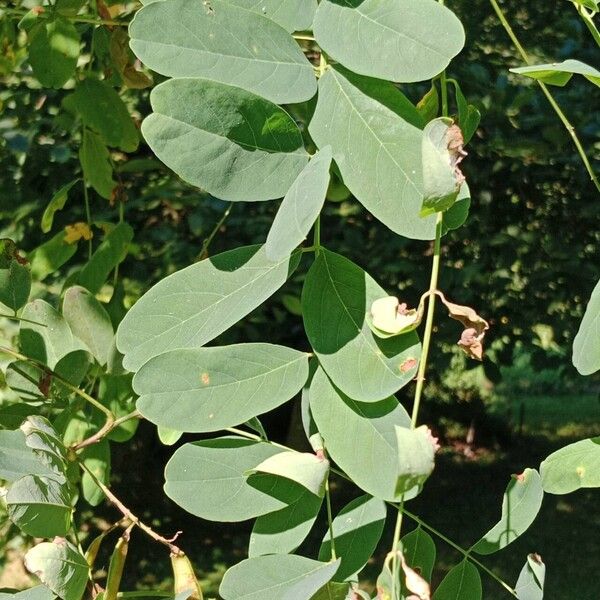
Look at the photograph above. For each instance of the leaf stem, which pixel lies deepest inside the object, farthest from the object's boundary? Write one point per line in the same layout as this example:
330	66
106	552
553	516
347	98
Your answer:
330	519
589	22
317	236
465	553
15	318
564	120
132	517
75	18
110	424
88	214
207	242
45	369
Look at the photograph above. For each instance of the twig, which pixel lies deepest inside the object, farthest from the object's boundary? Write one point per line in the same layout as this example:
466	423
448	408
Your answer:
204	251
175	550
109	425
564	120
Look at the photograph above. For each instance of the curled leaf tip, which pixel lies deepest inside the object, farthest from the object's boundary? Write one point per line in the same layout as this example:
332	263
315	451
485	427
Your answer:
389	316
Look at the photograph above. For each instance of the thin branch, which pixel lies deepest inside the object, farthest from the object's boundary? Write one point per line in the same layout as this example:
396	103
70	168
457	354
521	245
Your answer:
207	242
561	115
130	515
109	425
12	12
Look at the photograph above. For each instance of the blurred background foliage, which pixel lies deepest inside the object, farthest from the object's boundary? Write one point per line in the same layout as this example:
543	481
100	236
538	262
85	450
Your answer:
526	259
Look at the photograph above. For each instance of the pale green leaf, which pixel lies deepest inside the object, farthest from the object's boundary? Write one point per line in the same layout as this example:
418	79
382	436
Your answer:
457	214
361	437
440	182
530	585
95	164
276	577
377	151
400	40
419	552
416	454
586	347
208	389
336	297
573	467
111	252
88	321
282	531
53	51
97	459
40	506
46	444
15	285
300	207
193	306
208	479
226	140
225	43
308	423
306	469
60	566
39	592
463	582
292	15
168	436
560	73
102	110
357	529
57	203
48	337
520	505
17	459
12	415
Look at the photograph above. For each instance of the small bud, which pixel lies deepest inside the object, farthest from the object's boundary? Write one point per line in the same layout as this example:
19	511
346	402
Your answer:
391	317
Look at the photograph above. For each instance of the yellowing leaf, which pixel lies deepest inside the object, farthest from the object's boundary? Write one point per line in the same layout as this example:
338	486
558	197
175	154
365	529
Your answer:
77	231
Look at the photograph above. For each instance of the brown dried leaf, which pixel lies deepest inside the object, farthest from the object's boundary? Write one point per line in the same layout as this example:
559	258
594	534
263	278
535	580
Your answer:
415	583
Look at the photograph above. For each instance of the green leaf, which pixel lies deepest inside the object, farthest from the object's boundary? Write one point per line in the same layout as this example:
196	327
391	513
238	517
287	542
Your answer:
457	214
468	115
97	459
17	459
586	347
429	105
530	585
292	15
88	321
207	479
53	51
377	151
116	393
440	181
337	591
282	531
40	506
46	444
225	43
573	467
361	437
300	207
400	40
48	337
94	159
336	297
111	252
416	453
211	295
39	592
308	423
57	203
419	552
209	389
520	506
102	110
60	566
15	285
560	73
357	529
591	4
167	436
12	415
50	256
306	469
463	582
276	577
202	128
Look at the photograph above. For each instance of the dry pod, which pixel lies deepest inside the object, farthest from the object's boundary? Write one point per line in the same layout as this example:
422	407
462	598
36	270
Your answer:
185	579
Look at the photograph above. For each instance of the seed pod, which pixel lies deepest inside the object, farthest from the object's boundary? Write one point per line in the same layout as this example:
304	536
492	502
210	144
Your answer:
116	566
92	551
185	579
